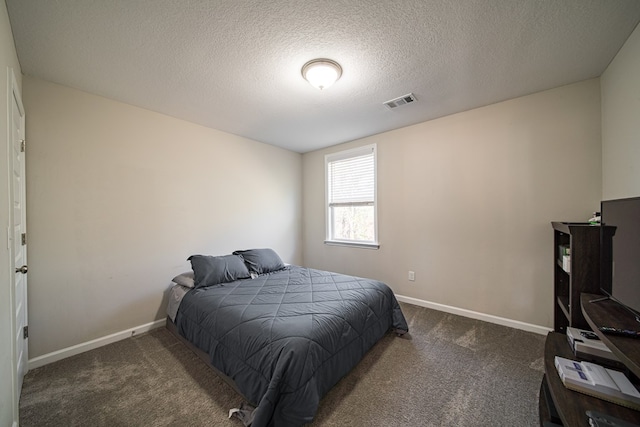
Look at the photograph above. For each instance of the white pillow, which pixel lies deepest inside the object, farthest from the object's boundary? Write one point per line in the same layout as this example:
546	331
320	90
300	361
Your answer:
185	279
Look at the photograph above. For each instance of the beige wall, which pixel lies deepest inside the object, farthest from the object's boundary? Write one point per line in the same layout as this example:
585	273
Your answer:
621	122
119	197
8	61
466	202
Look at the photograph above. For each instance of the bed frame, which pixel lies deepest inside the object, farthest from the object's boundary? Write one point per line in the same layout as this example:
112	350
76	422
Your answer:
205	358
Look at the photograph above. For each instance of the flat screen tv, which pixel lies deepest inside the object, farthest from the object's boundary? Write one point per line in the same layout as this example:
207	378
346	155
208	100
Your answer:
621	280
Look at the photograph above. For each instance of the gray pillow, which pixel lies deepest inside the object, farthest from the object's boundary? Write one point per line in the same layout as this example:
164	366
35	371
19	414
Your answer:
261	261
213	270
184	279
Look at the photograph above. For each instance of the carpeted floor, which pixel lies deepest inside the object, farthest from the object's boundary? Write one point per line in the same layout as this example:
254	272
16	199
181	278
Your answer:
451	371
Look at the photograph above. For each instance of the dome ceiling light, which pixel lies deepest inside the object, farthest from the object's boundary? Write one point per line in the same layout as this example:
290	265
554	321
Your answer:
321	73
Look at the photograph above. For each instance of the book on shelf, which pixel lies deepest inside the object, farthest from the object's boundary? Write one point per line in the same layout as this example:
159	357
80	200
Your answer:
564	257
595	380
564	250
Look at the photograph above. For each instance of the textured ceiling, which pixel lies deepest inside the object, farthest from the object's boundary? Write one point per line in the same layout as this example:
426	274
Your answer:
234	65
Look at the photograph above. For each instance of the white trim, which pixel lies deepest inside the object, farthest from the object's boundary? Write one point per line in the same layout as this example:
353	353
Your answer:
342	155
366	245
13	93
45	359
542	330
351	152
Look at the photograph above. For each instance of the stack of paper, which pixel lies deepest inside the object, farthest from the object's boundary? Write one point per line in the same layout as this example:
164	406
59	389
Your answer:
594	380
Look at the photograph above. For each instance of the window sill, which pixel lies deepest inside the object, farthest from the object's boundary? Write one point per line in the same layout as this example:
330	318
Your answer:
362	245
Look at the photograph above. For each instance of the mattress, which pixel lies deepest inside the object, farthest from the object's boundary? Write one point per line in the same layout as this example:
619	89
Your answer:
287	337
176	293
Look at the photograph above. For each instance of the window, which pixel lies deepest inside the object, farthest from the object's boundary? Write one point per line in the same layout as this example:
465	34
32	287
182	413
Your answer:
351	197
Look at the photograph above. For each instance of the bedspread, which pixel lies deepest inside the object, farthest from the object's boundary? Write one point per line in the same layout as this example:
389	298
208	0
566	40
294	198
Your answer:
287	337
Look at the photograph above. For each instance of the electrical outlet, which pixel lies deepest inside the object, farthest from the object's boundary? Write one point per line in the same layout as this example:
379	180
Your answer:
412	276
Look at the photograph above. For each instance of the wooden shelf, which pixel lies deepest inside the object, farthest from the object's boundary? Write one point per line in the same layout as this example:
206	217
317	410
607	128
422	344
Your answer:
543	410
572	405
585	242
610	313
590	247
563	302
565	227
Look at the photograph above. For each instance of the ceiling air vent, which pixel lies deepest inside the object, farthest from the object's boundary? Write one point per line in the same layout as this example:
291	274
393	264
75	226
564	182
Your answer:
404	99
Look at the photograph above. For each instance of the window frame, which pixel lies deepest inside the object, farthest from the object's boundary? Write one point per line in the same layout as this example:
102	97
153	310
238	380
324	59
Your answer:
343	155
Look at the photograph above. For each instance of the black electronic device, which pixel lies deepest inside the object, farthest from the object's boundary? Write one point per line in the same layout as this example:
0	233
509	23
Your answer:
589	335
621	278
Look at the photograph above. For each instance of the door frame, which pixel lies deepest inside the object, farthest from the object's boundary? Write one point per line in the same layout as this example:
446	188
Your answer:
14	92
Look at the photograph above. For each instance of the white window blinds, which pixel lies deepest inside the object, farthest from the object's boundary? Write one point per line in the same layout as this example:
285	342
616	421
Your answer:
351	197
351	180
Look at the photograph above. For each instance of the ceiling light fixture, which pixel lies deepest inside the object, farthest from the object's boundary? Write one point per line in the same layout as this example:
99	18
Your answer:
321	73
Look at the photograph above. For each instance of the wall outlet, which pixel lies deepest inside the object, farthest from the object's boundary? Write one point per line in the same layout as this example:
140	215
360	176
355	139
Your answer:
412	276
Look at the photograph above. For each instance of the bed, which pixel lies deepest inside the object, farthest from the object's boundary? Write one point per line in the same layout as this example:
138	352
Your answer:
282	335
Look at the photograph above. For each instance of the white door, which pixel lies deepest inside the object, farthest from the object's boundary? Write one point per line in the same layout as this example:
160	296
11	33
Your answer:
18	234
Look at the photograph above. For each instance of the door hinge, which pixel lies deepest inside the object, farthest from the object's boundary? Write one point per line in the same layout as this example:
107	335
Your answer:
24	239
25	332
23	145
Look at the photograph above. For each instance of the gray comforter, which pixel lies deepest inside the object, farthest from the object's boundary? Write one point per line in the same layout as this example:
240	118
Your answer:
287	337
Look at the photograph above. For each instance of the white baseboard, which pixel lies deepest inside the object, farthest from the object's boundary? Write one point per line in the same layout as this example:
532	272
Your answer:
542	330
45	359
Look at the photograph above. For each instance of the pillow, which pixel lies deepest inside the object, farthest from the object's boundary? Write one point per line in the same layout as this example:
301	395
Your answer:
213	270
184	279
261	261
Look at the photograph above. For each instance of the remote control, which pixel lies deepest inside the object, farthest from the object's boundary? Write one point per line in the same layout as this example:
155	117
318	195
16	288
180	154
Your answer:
621	332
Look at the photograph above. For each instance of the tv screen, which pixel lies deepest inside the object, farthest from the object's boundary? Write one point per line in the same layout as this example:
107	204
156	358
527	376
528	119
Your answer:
624	287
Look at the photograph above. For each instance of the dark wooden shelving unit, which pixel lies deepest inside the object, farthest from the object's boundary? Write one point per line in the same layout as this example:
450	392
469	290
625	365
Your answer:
579	303
572	405
598	313
584	242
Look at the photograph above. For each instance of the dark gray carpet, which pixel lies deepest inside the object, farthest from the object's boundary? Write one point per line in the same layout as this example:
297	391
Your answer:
451	371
